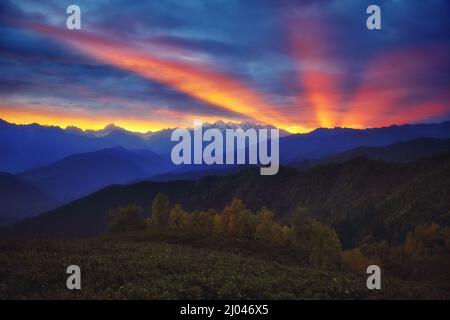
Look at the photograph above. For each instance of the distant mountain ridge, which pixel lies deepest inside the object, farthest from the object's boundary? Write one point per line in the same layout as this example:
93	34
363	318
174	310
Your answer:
80	174
27	146
19	199
400	152
322	142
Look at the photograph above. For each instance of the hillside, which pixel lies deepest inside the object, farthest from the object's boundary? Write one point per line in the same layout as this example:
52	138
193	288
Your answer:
19	199
362	199
81	174
401	152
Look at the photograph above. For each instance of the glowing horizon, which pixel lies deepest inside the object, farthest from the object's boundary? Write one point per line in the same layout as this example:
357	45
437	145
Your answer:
143	127
87	121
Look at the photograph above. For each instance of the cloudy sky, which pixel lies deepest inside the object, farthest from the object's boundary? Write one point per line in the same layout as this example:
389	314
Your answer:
299	65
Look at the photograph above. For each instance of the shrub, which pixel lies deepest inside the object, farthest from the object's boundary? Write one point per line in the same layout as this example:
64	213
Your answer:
320	244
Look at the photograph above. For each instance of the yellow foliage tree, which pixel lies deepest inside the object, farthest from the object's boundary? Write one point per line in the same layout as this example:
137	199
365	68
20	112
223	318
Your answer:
355	260
264	227
175	216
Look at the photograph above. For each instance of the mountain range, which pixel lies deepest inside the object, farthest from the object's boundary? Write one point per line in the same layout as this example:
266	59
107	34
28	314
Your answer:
113	158
24	147
401	152
325	142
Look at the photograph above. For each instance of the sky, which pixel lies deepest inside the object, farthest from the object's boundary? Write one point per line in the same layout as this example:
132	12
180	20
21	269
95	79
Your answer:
297	65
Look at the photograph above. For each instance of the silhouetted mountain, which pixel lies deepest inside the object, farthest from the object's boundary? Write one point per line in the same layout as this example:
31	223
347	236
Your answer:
26	146
325	142
118	135
19	199
319	143
401	152
363	199
80	174
160	143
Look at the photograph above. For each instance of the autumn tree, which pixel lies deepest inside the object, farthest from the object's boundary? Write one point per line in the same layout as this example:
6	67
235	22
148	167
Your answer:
160	210
426	239
228	222
264	228
320	244
188	220
354	260
233	223
176	214
242	221
276	233
247	223
204	221
218	224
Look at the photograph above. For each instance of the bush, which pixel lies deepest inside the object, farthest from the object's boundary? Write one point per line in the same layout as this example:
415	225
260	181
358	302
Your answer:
320	244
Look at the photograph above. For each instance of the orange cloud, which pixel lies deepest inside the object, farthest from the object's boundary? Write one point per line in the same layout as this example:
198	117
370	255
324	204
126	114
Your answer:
199	82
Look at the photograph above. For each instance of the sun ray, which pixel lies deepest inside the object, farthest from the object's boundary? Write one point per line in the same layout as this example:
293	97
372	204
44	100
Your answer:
201	83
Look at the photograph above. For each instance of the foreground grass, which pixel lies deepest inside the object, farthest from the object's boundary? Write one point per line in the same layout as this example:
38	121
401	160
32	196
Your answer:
130	269
151	270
